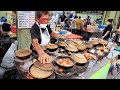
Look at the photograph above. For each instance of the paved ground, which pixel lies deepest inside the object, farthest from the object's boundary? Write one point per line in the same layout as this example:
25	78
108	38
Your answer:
118	76
115	75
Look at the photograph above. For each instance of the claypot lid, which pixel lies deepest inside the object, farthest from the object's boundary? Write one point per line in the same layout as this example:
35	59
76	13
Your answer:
46	66
71	42
62	43
38	73
94	42
89	45
52	46
103	41
71	48
23	52
81	47
79	58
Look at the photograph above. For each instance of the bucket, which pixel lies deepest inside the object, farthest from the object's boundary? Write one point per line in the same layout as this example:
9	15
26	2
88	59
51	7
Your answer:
62	32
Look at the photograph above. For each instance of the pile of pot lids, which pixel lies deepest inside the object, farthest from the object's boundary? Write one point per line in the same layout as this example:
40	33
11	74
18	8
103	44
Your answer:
46	66
37	73
40	71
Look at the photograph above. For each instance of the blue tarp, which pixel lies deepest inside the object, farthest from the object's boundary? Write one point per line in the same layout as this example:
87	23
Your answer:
100	26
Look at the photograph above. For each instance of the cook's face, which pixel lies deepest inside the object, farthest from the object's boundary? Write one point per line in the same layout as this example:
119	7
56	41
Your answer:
44	19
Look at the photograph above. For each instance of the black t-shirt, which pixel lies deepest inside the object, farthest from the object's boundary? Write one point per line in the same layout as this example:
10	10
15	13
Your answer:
35	32
107	28
6	27
62	18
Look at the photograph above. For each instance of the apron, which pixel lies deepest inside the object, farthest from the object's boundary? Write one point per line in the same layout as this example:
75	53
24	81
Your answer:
45	37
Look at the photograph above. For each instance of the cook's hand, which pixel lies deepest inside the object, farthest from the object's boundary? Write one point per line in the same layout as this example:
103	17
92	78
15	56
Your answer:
44	58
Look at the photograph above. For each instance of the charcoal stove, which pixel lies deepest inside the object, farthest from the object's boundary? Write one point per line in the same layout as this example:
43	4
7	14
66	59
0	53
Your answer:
80	68
23	64
105	54
12	74
64	73
61	50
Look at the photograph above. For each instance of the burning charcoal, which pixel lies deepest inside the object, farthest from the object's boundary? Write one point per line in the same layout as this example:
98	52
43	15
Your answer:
81	69
65	73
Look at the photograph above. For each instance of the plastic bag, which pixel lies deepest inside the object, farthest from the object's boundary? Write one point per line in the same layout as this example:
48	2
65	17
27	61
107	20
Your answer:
2	71
8	59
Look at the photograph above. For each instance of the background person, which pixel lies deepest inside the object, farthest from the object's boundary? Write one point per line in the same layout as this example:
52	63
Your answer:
107	30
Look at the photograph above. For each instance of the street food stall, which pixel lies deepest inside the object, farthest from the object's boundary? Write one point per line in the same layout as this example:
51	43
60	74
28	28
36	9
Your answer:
71	58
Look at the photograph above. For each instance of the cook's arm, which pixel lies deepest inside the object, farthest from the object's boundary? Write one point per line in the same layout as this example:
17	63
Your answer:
56	35
37	47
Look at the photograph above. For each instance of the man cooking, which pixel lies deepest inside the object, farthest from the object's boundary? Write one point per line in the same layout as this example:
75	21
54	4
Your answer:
40	34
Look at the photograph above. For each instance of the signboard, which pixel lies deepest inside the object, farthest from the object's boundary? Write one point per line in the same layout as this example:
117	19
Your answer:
25	19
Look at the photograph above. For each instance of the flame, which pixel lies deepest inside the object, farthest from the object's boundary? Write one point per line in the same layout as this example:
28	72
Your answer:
111	62
102	47
99	51
60	69
87	55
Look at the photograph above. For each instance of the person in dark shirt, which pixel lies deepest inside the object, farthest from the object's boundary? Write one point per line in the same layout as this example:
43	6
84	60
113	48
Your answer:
88	20
63	17
6	27
70	16
67	23
107	30
40	34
